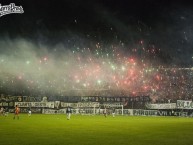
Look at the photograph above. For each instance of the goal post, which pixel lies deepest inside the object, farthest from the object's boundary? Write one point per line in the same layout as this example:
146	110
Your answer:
117	106
99	108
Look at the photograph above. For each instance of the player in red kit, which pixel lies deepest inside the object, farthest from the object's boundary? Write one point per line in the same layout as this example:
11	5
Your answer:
16	113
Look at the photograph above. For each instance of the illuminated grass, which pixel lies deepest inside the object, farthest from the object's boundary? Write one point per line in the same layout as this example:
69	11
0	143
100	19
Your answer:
95	130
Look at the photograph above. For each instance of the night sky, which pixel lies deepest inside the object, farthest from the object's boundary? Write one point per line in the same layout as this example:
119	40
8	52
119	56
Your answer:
151	33
165	24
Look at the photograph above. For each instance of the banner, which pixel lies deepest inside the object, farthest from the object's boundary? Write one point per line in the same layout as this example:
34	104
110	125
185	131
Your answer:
59	111
125	112
52	111
115	99
10	98
80	104
25	110
73	105
7	104
183	104
87	104
109	105
128	112
35	104
57	104
161	106
141	112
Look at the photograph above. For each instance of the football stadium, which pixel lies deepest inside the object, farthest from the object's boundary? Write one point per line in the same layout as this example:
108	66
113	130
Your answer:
96	72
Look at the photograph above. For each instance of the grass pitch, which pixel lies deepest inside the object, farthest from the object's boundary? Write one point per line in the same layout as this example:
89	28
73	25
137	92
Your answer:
95	130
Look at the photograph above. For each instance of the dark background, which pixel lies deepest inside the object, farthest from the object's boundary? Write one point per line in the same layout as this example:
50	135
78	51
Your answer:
166	24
